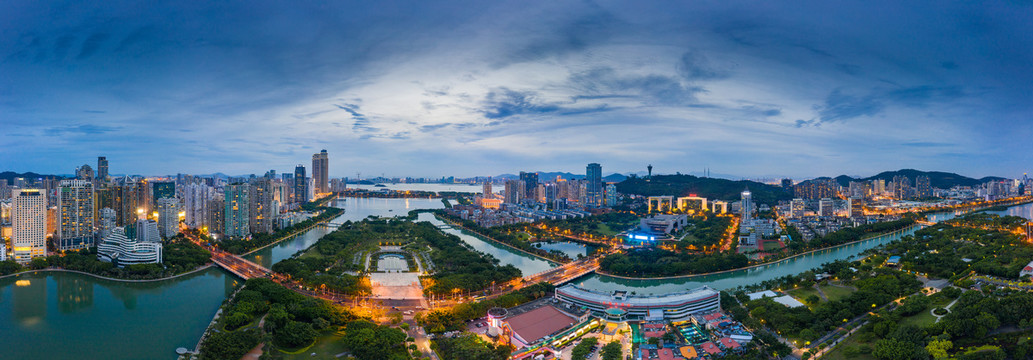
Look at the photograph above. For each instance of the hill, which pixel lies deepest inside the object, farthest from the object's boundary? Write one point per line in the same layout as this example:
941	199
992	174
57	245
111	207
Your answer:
710	188
938	179
10	175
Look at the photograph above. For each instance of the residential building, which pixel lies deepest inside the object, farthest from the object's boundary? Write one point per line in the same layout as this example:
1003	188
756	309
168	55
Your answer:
262	209
611	195
28	224
513	192
320	169
102	168
236	210
75	228
797	208
162	189
486	189
195	205
826	207
107	223
168	217
146	230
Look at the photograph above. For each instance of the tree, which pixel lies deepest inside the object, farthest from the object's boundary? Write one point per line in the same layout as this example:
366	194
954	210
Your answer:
583	349
38	263
230	345
896	349
237	319
295	334
938	348
612	351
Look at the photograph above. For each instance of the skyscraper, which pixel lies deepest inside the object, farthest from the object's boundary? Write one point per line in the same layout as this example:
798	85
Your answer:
747	205
261	211
594	185
300	185
75	227
923	187
530	185
320	168
195	205
28	224
514	192
102	168
168	217
237	209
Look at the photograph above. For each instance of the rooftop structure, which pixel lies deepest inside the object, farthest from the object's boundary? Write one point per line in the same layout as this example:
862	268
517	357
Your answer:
641	307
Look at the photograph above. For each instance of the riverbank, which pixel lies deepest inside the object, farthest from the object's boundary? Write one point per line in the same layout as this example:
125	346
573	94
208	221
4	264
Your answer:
203	267
288	236
688	276
461	227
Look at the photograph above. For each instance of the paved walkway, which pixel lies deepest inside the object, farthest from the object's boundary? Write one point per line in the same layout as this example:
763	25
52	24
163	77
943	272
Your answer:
948	307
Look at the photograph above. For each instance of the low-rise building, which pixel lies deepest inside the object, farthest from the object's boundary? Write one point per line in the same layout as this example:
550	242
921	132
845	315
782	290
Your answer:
121	250
620	305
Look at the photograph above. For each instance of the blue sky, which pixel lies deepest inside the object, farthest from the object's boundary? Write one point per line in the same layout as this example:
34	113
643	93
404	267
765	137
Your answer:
752	89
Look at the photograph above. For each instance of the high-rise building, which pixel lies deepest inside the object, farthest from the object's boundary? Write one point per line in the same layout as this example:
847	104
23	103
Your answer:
84	172
747	206
75	207
513	192
195	205
236	210
611	195
216	214
102	168
168	217
594	184
28	224
855	207
530	185
486	189
300	185
923	187
261	208
107	221
816	189
320	168
163	189
797	207
826	207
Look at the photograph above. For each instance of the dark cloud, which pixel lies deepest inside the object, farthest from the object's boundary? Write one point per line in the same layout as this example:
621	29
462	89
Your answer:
503	102
842	106
605	82
694	66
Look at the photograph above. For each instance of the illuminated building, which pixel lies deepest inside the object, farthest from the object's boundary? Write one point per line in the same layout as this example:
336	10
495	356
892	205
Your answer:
486	189
162	189
815	189
797	208
747	205
620	305
75	205
923	187
611	195
102	168
107	221
826	207
594	185
120	249
168	217
236	210
262	209
28	224
320	167
300	185
530	185
513	192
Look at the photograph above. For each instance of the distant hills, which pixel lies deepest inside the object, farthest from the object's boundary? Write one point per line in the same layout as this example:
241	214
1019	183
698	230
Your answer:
566	175
938	179
10	175
711	188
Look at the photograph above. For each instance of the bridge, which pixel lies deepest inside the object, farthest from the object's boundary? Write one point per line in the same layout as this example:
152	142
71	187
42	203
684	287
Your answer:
565	272
238	266
925	222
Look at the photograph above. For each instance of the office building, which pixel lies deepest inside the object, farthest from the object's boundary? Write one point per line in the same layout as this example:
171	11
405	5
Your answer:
747	205
168	217
122	250
530	185
75	207
300	185
102	168
320	168
594	185
236	211
28	224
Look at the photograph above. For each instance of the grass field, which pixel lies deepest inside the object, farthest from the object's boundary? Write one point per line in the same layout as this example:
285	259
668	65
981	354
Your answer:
835	292
606	230
839	354
803	293
922	320
325	348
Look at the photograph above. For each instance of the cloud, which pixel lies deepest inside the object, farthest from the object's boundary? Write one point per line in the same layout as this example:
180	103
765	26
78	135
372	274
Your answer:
82	129
694	66
503	102
91	44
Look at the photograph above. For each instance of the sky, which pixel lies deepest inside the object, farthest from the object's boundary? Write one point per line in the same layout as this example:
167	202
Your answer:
750	89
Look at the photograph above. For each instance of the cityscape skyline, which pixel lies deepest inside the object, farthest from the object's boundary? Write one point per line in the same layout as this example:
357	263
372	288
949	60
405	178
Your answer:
744	89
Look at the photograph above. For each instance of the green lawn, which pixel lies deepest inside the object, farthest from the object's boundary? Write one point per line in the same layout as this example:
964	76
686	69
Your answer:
922	320
803	293
325	348
838	353
606	230
835	292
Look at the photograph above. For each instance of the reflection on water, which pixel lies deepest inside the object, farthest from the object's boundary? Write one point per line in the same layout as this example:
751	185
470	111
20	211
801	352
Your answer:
526	263
1025	211
74	294
27	304
571	249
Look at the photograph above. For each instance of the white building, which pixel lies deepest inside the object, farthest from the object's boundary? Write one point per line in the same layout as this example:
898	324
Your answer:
147	231
195	205
826	207
107	222
620	305
3	250
28	224
117	248
168	217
